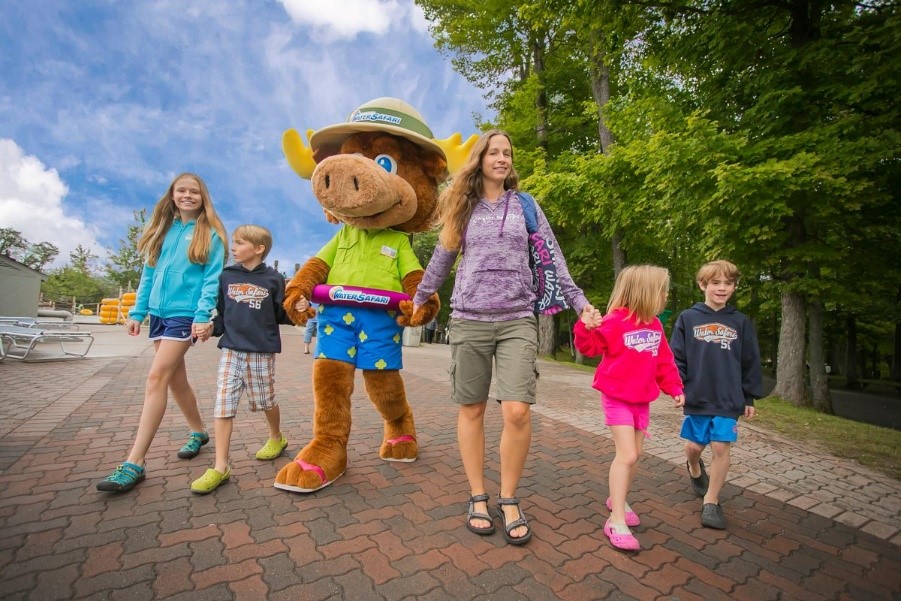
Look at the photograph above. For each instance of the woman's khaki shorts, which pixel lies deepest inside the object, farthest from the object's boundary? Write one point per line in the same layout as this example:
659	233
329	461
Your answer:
512	345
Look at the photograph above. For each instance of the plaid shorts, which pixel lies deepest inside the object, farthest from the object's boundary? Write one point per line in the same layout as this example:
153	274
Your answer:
239	370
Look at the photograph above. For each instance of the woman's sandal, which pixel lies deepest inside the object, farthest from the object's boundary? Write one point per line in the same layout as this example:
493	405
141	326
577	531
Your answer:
508	528
472	514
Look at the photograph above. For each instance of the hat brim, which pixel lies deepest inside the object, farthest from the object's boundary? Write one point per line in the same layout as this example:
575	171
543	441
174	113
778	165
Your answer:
328	140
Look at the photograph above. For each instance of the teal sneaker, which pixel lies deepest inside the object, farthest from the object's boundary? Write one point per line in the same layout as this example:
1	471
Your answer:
127	476
192	447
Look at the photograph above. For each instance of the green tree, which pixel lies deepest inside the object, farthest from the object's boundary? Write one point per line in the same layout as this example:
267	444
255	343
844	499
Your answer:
12	244
38	255
124	266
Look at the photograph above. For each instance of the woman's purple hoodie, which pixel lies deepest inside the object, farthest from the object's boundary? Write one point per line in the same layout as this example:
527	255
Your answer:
494	281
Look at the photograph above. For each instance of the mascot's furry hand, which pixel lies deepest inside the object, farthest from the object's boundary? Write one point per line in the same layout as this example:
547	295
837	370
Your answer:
314	272
426	312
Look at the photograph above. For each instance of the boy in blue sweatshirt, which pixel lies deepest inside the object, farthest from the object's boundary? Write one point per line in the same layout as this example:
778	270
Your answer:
248	313
715	347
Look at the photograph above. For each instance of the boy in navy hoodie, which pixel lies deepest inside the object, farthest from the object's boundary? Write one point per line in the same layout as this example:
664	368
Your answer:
248	313
715	347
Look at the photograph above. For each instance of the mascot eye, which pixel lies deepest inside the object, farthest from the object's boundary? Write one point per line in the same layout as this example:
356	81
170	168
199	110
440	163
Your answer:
387	162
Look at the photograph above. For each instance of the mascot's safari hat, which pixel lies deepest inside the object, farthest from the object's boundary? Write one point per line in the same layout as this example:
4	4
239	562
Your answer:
386	114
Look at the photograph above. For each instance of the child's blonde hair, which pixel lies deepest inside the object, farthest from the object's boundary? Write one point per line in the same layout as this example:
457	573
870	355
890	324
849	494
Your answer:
641	289
256	235
164	213
720	268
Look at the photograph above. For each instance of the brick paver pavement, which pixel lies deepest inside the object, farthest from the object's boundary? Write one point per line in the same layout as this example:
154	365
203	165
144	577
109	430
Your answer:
802	524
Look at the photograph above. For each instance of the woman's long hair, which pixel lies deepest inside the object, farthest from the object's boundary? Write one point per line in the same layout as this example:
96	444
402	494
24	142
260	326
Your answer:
642	290
164	214
457	200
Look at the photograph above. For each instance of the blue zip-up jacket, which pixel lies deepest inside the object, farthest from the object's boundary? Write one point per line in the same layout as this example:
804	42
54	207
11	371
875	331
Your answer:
175	287
719	360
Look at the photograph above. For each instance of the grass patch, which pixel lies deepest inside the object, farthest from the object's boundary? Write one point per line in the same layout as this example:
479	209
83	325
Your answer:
873	446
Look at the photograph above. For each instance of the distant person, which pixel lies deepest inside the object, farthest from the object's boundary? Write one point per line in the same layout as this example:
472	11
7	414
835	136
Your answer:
429	330
184	250
716	350
248	314
484	221
309	331
637	364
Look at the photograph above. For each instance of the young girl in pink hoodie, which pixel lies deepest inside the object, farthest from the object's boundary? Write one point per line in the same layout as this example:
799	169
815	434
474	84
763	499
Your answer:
637	364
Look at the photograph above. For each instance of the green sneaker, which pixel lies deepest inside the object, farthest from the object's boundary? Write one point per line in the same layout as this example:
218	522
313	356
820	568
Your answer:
272	449
210	481
192	447
127	476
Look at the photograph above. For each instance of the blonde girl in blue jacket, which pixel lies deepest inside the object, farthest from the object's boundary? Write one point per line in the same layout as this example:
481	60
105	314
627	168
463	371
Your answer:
184	248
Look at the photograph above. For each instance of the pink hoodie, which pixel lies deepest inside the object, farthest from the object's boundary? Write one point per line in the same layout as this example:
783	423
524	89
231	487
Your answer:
638	362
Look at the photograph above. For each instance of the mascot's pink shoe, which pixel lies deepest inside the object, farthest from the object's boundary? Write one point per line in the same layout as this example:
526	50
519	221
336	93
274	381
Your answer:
398	440
308	467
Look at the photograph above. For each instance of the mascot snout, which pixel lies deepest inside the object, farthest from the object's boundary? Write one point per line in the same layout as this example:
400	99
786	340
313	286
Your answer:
355	187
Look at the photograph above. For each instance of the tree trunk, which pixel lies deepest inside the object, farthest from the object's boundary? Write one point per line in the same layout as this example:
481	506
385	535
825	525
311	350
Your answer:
541	128
547	343
599	78
619	253
819	383
790	381
851	366
896	355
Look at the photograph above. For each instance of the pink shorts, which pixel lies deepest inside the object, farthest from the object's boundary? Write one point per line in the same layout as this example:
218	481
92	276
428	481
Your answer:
624	413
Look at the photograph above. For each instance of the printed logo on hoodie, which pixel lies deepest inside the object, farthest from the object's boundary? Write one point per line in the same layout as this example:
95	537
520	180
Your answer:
716	333
643	340
250	294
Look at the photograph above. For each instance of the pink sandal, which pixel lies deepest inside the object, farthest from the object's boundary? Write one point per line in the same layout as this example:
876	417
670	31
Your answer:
632	518
398	440
623	542
308	467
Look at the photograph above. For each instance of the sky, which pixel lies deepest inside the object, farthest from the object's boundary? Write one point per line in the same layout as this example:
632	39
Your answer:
104	102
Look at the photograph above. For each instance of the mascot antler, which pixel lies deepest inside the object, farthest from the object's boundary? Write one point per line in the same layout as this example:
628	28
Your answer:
457	153
300	155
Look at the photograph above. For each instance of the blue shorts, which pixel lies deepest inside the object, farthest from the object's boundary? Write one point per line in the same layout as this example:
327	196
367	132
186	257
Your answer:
704	429
367	338
171	328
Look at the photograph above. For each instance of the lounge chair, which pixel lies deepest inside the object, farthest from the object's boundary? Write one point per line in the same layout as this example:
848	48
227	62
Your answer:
44	324
18	341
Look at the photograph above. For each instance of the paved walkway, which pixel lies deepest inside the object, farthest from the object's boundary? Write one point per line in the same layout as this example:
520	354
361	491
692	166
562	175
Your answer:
802	524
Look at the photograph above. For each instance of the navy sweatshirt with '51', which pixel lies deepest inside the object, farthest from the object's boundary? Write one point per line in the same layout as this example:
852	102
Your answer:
719	360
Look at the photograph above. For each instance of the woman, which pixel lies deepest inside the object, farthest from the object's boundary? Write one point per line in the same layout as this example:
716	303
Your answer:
493	318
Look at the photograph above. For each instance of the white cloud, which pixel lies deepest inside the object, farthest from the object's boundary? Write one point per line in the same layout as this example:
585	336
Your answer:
32	202
348	18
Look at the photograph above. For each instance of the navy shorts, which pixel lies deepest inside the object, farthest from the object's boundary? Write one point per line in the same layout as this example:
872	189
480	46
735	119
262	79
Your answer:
171	328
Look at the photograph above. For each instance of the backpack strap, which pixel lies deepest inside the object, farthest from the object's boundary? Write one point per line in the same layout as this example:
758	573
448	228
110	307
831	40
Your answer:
528	211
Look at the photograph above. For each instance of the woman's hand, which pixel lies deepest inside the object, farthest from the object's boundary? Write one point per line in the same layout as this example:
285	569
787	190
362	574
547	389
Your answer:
590	316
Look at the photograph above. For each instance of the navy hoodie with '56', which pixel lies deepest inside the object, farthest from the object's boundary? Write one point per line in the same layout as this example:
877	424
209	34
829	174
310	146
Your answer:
719	360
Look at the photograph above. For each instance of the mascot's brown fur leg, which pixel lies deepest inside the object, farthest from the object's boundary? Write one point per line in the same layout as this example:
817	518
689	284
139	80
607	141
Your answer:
387	393
325	457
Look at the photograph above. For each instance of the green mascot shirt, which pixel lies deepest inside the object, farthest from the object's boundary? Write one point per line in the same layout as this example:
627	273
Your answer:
370	258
